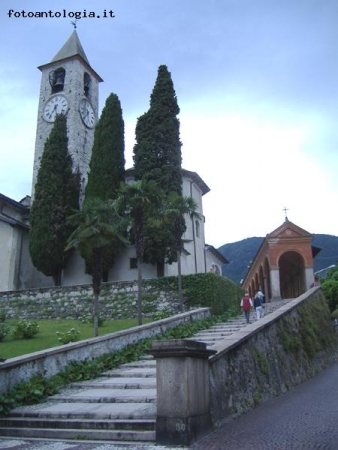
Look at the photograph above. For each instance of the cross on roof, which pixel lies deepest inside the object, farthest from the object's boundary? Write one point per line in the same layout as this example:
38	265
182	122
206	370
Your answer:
285	209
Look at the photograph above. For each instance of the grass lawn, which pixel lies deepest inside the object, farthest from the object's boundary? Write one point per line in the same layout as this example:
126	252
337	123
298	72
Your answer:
47	337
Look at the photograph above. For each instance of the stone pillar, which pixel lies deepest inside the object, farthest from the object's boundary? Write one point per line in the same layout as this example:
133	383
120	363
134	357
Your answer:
183	396
309	278
266	290
275	285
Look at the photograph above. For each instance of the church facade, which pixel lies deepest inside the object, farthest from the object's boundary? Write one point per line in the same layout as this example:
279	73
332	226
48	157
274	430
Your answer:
69	85
283	265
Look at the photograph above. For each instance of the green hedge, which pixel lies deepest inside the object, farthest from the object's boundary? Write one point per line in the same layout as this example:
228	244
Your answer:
204	289
330	288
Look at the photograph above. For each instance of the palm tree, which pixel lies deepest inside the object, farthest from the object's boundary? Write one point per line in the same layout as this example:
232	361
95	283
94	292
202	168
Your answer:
175	208
98	224
141	201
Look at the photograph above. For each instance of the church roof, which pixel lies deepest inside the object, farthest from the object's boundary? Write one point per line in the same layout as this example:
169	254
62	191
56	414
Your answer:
72	47
194	177
215	252
23	209
288	229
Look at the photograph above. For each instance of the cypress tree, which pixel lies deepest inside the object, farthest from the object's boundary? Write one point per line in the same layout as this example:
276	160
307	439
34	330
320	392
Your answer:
56	197
107	160
158	157
107	168
157	152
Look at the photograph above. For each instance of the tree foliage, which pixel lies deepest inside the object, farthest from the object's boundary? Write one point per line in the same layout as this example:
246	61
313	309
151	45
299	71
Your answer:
175	207
107	167
98	226
330	288
107	160
141	202
158	158
56	196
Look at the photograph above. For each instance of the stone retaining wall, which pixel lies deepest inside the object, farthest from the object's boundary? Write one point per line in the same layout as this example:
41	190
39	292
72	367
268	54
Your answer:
118	300
51	361
270	356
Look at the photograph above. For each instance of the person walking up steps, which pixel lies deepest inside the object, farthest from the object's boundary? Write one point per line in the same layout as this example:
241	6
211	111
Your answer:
246	305
258	306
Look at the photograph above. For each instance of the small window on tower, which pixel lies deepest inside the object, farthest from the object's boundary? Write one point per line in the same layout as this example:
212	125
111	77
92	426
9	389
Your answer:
133	263
197	228
86	83
57	80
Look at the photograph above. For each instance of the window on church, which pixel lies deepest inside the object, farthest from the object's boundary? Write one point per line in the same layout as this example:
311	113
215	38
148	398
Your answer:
133	263
57	80
197	228
160	269
86	84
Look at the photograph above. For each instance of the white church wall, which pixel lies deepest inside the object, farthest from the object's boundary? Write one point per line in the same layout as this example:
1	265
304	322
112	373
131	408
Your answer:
75	271
122	270
29	276
8	241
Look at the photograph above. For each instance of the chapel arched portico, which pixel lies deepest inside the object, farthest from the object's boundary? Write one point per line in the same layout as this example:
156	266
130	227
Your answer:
283	265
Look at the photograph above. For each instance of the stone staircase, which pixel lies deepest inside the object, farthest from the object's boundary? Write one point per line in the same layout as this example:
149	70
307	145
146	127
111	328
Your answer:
119	406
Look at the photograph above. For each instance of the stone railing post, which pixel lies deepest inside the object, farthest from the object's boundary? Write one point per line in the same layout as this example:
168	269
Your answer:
183	395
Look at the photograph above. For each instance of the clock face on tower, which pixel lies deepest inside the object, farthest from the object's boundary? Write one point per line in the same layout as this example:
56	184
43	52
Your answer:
56	105
87	113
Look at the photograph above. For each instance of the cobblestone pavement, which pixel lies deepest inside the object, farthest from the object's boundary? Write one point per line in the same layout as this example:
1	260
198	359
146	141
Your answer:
24	444
306	418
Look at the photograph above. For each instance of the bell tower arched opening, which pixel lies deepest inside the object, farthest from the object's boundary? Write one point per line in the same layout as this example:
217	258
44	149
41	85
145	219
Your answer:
291	274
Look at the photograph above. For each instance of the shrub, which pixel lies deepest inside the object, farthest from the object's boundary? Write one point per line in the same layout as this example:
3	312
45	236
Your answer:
2	315
25	330
72	335
330	288
334	315
163	314
203	289
4	330
90	319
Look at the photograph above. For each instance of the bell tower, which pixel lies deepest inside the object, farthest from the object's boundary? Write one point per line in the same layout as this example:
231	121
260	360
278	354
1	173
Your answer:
69	86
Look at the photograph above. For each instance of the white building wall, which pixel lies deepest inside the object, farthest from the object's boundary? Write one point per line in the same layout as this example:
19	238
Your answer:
7	252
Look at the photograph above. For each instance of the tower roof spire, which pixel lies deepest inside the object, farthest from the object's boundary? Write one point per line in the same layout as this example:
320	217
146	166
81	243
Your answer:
72	47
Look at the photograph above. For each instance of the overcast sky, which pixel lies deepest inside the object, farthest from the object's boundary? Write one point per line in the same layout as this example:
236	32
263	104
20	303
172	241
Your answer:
256	82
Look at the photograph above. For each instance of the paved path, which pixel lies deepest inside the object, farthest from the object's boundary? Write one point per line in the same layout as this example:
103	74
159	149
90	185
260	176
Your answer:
305	418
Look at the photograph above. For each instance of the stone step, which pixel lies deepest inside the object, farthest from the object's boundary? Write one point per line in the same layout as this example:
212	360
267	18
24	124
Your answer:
133	372
151	363
228	328
107	396
96	411
217	335
38	422
79	434
118	383
208	340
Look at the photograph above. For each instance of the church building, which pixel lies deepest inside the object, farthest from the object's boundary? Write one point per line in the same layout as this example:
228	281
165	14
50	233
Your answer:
69	85
283	265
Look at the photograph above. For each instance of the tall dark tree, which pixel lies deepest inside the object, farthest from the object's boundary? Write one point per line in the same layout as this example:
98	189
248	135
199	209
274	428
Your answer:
107	168
56	196
107	160
158	158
